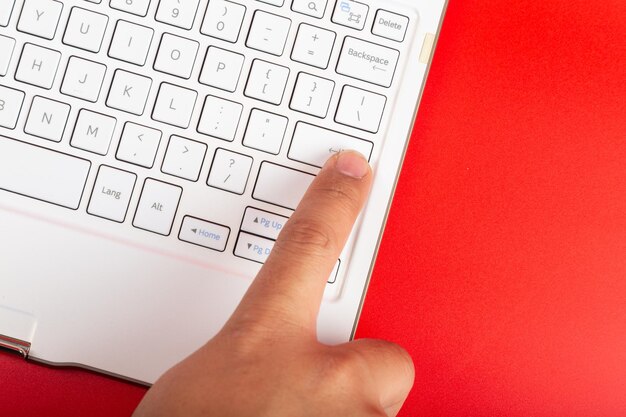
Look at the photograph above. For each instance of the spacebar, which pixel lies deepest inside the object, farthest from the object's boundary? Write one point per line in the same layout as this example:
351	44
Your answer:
43	174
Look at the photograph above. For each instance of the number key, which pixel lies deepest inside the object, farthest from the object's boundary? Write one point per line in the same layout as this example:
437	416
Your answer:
137	7
177	13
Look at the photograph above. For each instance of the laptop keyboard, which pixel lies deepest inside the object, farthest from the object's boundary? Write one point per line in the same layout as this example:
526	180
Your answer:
119	109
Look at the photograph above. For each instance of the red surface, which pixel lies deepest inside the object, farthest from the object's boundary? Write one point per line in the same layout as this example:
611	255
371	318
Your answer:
503	268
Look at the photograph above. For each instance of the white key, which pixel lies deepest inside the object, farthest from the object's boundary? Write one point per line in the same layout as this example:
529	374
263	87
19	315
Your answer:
131	42
6	9
351	14
180	13
277	3
47	119
204	233
361	109
10	105
252	247
184	158
40	17
221	69
390	25
230	171
136	7
220	118
85	29
312	95
38	66
41	173
314	145
83	79
6	45
176	55
129	92
93	132
94	1
223	20
263	223
268	33
314	8
280	185
368	62
111	193
174	105
267	82
313	46
265	131
138	145
157	206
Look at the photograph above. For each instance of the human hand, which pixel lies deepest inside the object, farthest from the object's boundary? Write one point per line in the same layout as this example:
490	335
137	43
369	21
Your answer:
266	361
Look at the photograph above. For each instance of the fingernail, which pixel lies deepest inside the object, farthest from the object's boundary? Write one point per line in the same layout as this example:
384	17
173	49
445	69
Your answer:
352	164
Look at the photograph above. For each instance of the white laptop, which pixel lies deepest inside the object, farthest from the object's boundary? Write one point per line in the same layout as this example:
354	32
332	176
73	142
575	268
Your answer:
152	150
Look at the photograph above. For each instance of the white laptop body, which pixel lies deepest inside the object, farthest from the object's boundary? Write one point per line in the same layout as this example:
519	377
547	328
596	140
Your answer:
151	152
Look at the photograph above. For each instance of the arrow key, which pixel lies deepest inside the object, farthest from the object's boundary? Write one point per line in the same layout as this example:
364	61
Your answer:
204	233
252	247
263	223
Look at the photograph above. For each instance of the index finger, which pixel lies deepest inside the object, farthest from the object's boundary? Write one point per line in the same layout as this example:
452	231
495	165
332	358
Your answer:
289	287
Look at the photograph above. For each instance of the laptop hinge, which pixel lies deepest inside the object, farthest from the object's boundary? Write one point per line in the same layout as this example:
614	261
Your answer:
16	345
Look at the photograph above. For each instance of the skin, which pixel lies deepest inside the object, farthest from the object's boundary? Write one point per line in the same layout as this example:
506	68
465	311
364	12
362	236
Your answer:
266	361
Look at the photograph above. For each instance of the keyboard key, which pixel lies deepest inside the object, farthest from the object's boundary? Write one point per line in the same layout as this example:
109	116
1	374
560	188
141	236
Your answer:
138	145
326	143
368	62
93	132
83	79
360	109
204	233
314	8
223	20
221	69
280	185
277	3
47	119
131	42
129	92
184	158
177	13
312	95
42	174
351	14
263	223
174	105
265	131
313	46
157	206
390	25
85	29
230	171
268	33
10	105
6	9
136	7
253	247
6	45
111	194
40	17
267	82
38	66
176	55
220	118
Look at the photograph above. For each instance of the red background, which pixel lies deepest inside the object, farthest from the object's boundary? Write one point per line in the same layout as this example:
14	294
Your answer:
503	267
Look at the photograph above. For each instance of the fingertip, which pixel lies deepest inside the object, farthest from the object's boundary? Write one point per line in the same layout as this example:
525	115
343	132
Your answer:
350	164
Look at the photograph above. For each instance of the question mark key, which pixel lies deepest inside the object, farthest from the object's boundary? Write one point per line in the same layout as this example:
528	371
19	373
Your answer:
232	166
